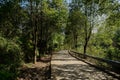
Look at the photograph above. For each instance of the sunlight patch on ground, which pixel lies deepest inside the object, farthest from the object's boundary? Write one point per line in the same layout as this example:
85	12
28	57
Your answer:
67	62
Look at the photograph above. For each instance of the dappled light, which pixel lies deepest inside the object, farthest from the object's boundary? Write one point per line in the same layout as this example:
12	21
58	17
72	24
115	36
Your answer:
36	72
59	39
65	67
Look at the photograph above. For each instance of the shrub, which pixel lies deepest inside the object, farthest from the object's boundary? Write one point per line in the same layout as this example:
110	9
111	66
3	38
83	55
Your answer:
10	59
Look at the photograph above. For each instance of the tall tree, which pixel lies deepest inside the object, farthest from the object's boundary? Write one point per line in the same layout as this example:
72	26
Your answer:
90	9
46	18
11	18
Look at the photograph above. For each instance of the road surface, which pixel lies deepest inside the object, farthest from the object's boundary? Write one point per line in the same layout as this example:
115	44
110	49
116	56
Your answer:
66	67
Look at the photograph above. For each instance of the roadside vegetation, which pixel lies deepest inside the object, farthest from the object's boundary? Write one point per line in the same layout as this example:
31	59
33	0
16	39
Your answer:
30	30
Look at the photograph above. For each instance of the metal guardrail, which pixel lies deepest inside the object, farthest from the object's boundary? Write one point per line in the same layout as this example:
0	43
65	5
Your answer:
111	63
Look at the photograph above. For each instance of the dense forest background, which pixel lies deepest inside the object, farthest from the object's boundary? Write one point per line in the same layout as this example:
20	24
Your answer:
33	28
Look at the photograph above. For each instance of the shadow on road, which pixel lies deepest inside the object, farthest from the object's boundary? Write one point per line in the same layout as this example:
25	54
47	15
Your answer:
78	72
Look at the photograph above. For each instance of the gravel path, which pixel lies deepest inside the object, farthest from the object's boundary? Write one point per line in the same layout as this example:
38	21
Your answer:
65	67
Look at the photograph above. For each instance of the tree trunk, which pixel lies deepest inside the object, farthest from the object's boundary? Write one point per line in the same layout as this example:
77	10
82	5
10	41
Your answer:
35	57
35	39
32	25
85	47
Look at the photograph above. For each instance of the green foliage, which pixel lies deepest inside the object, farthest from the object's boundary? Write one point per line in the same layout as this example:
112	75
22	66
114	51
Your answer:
11	17
10	56
74	29
116	44
96	23
6	75
116	39
89	26
27	47
58	41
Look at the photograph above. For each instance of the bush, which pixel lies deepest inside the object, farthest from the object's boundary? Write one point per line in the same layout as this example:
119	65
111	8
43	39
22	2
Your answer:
10	59
6	75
